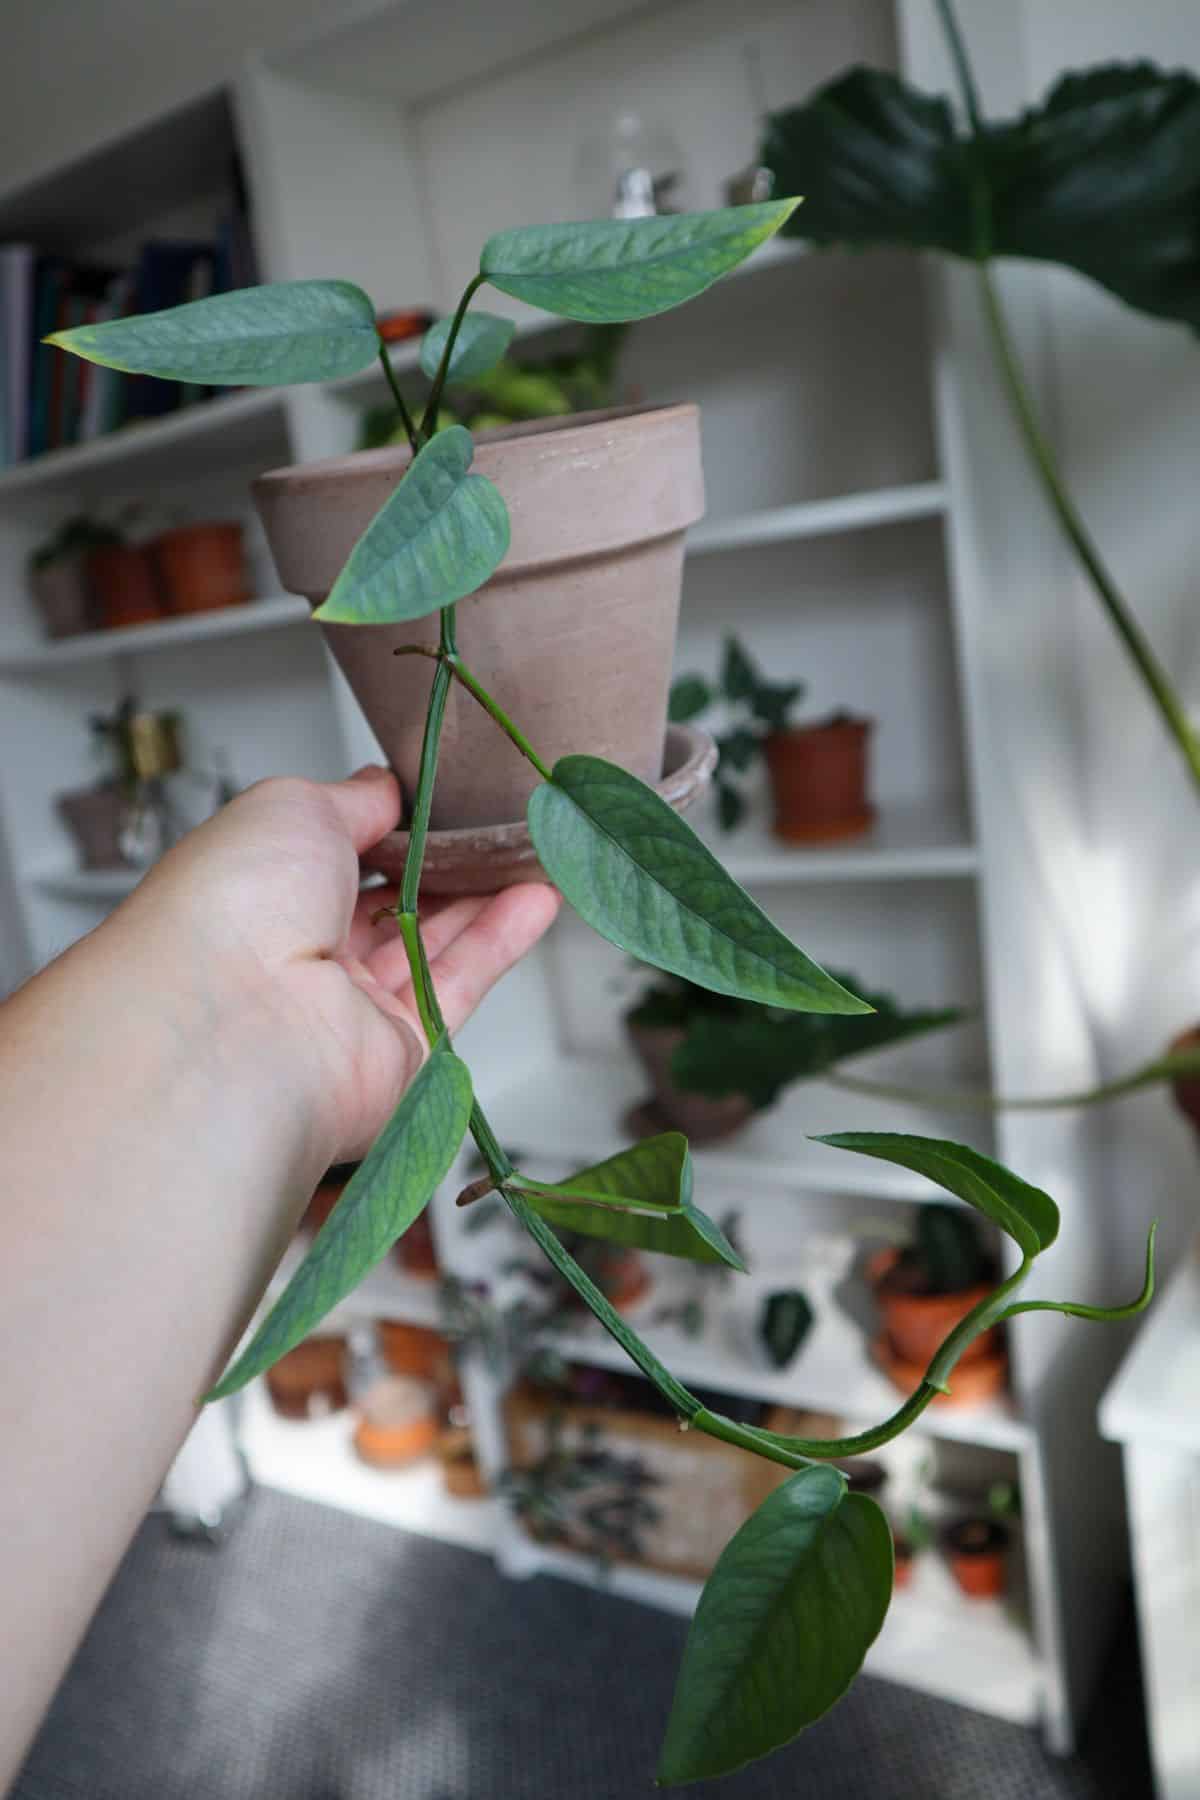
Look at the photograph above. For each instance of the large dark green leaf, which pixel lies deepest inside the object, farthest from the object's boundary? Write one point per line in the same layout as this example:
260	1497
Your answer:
641	878
1028	1215
642	1197
391	1187
260	336
1103	176
481	342
604	271
794	1603
437	539
689	697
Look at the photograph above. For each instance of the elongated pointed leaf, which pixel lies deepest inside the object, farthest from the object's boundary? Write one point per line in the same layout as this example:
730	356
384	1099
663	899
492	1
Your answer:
1028	1215
437	539
390	1188
254	337
604	271
793	1605
641	1196
640	877
481	342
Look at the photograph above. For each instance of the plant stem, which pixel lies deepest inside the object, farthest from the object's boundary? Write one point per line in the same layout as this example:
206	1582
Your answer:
429	417
962	67
476	689
419	826
1149	668
398	397
979	1100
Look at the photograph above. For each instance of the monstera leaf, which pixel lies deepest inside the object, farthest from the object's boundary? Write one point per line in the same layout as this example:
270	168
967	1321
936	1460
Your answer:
1103	176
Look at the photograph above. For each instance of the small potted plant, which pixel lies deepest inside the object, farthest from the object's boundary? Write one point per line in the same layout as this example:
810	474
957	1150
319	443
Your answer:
58	576
818	772
124	582
924	1289
976	1546
201	567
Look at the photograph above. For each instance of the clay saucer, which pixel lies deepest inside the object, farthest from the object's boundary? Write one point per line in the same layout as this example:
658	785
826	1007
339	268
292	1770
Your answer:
478	859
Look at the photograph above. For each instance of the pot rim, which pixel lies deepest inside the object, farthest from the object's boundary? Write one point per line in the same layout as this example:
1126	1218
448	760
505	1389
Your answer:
573	431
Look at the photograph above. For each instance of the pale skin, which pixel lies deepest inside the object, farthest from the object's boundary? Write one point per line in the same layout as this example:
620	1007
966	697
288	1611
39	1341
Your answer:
171	1090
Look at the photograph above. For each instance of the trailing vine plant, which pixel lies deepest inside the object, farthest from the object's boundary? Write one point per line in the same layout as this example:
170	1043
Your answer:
801	1591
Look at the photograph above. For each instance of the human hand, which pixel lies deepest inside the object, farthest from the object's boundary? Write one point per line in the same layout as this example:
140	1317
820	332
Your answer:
265	899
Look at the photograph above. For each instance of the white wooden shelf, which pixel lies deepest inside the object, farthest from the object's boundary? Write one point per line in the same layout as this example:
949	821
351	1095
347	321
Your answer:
820	518
233	428
976	1653
315	1460
917	840
574	1110
67	882
167	634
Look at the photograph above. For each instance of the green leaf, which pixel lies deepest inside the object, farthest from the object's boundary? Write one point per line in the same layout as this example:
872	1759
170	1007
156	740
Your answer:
739	676
794	1603
690	696
784	1323
604	271
1103	176
390	1189
640	877
737	749
435	540
642	1197
254	337
1028	1215
731	807
481	342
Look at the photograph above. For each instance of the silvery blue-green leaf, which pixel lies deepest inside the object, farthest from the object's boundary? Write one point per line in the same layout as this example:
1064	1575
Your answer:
642	1197
439	536
481	342
1028	1215
387	1192
793	1605
604	271
254	337
640	877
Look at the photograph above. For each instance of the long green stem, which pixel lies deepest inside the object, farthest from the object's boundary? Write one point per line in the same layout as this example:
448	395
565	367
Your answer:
398	397
962	67
979	1100
476	689
429	417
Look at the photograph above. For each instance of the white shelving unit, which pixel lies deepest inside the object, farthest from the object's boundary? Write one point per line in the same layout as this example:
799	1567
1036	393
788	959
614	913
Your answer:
858	490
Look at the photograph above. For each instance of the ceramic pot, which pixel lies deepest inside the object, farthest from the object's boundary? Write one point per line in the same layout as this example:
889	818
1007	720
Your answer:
310	1380
975	1550
396	1423
415	1350
415	1251
201	567
63	596
819	780
124	585
94	817
915	1324
902	1571
574	633
703	1118
1186	1088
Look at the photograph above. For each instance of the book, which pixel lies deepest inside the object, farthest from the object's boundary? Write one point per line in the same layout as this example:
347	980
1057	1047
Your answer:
16	343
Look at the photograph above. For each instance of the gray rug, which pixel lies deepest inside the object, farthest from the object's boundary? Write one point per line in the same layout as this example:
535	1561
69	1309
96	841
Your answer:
321	1657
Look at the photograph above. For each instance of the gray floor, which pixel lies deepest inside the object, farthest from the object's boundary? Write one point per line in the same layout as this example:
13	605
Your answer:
319	1657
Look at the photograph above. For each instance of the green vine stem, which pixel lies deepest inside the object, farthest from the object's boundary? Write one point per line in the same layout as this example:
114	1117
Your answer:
980	1100
476	689
398	397
429	417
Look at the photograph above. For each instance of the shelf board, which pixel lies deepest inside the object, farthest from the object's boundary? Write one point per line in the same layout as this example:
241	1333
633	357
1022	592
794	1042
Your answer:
210	433
66	882
315	1460
976	1653
820	518
910	840
573	1110
166	634
387	1292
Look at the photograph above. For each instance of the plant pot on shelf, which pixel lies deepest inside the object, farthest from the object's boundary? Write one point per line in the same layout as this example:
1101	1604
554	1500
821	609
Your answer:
976	1550
397	1424
201	567
310	1381
916	1323
905	1556
124	585
63	596
573	635
703	1118
94	817
819	780
415	1251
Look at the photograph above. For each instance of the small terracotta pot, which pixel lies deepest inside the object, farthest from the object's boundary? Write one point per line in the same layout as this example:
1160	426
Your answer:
63	596
819	780
310	1380
976	1551
124	585
93	816
975	1380
703	1118
1186	1088
413	1350
915	1324
905	1558
623	1277
415	1251
201	567
461	1474
397	1423
574	633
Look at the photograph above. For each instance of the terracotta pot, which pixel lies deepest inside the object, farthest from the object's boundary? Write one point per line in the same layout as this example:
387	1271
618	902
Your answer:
124	585
397	1423
461	1474
976	1551
905	1557
574	633
819	780
93	816
201	567
1186	1088
413	1350
703	1118
63	596
975	1380
915	1324
310	1380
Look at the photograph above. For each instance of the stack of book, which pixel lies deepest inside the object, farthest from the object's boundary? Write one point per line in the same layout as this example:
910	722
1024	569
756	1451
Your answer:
48	400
